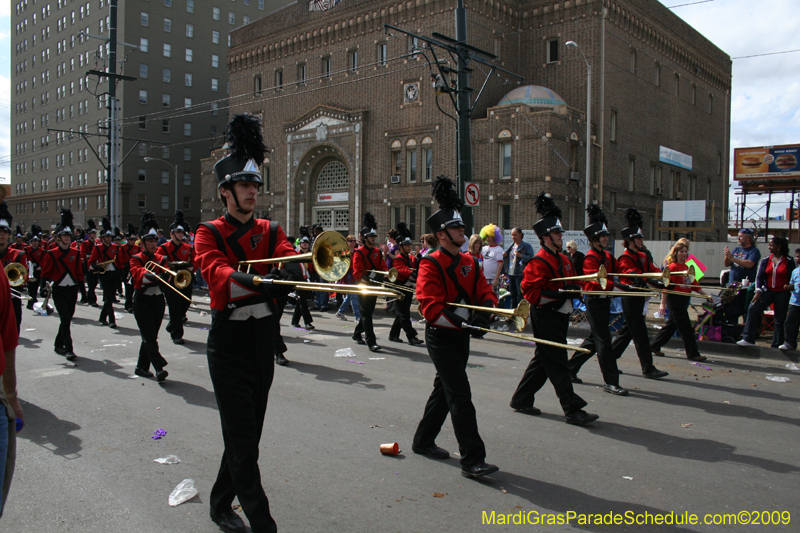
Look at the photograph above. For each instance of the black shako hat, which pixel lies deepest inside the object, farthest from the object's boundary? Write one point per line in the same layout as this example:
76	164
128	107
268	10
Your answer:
65	225
598	223
107	231
247	151
551	216
404	234
634	221
5	217
449	213
149	227
179	224
370	225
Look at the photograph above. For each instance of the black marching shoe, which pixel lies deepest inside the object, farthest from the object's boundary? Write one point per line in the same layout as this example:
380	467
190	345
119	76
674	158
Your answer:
395	339
60	351
615	389
374	348
658	353
575	378
71	356
228	521
113	325
359	340
30	305
281	360
103	323
178	341
169	328
434	452
161	375
414	341
580	418
478	470
310	327
534	411
143	373
654	373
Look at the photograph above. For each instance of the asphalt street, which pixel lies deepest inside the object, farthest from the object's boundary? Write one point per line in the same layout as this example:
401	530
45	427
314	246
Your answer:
715	437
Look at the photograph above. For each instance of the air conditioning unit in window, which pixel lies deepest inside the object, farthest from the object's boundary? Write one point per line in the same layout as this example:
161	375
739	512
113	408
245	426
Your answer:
574	176
679	195
660	191
395	178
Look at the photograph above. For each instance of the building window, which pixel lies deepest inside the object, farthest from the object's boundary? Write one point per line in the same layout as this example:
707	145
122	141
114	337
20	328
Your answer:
167	3
326	66
189	54
165	100
257	85
187	179
214	61
145	19
142	201
187	79
505	160
166	75
165	125
142	174
190	30
694	94
658	75
215	37
677	85
142	97
413	45
411	160
504	216
279	79
165	177
711	103
245	20
187	103
427	157
612	126
231	17
190	6
552	51
214	84
411	218
187	154
143	44
301	73
142	72
187	129
167	50
215	13
382	48
214	113
352	60
165	202
167	25
633	61
333	175
631	173
187	203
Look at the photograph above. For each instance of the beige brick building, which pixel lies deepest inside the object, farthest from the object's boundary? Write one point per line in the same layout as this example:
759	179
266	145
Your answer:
352	118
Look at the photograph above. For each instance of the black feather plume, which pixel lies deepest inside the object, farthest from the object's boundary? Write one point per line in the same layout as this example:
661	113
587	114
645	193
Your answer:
369	221
131	228
596	215
19	230
5	214
546	206
633	218
148	222
66	218
90	224
179	220
445	194
106	223
117	233
245	139
402	229
36	230
304	232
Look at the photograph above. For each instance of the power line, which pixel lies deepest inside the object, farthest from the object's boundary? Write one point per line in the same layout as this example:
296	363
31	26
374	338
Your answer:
767	54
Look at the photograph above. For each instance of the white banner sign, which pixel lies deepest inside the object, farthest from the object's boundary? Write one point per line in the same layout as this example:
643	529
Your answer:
674	157
688	211
333	197
530	237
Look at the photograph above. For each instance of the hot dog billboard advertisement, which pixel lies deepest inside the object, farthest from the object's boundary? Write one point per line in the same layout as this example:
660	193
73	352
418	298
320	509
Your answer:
767	162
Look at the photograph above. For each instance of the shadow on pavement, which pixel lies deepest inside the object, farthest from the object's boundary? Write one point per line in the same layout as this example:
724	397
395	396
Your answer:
192	394
106	366
346	377
45	429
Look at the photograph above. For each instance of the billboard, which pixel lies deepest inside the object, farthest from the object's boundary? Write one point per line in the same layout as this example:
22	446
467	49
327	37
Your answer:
767	162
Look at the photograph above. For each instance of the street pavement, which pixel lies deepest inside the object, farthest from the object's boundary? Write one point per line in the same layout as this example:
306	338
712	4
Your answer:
715	437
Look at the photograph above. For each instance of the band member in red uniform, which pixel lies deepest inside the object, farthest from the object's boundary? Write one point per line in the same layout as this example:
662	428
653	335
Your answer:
367	257
123	263
447	276
241	339
19	242
103	252
34	251
634	261
10	255
180	255
148	299
406	266
598	308
550	310
87	248
62	267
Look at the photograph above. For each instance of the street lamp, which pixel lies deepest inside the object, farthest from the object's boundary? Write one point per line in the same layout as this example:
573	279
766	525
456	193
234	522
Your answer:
174	168
588	125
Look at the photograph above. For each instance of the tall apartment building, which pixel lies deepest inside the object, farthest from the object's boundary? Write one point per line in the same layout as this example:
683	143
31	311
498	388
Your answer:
175	110
353	119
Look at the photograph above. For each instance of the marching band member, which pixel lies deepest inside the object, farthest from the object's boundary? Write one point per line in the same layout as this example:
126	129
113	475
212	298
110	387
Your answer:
550	310
598	308
123	263
148	299
87	249
10	255
406	266
19	243
367	257
62	266
301	305
634	261
180	255
448	276
103	252
34	251
241	339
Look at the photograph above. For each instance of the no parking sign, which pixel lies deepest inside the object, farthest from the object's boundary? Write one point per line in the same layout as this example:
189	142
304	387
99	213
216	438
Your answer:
472	195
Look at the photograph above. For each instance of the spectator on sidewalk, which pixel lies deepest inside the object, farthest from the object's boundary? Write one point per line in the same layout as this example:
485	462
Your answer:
514	260
744	258
350	300
792	324
576	257
475	247
492	256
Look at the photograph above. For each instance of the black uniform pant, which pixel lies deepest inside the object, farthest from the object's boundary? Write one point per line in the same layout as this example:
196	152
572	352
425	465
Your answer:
241	364
403	317
64	300
599	341
149	312
364	326
126	274
33	288
301	308
635	329
178	306
108	282
548	362
678	320
449	351
16	303
91	285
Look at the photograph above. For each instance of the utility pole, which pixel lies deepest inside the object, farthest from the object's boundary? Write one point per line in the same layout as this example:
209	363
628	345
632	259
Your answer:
464	131
113	123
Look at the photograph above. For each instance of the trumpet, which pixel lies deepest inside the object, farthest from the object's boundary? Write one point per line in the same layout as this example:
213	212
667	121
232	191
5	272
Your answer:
464	325
366	290
601	276
330	255
17	274
663	277
519	315
182	278
390	274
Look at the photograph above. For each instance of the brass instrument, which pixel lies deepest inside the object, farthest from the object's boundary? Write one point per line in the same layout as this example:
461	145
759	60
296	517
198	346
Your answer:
330	255
100	268
601	276
16	294
464	325
693	295
17	274
690	277
395	286
519	315
332	287
182	278
663	276
45	308
644	293
390	274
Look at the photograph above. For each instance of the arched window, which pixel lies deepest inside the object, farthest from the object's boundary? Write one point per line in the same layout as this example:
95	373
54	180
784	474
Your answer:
333	175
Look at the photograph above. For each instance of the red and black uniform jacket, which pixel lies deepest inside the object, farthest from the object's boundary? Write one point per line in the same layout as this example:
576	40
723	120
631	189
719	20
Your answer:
182	251
634	263
221	244
681	280
592	263
58	262
18	246
124	254
137	263
35	256
87	248
405	265
772	277
536	285
12	255
366	259
102	253
443	279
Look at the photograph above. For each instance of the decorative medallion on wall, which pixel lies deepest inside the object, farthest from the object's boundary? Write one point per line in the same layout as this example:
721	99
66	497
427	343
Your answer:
411	92
322	5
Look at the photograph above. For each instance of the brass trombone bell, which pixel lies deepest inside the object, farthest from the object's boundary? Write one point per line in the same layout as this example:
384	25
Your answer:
330	255
390	274
601	277
182	278
663	277
17	274
519	315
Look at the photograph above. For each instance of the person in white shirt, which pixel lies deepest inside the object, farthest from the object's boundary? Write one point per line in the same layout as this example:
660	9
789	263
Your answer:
492	255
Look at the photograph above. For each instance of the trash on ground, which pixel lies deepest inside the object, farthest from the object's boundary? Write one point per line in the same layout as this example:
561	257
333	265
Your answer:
118	316
391	448
168	460
112	345
344	352
476	367
356	362
779	379
704	366
726	401
306	340
31	329
438	495
377	358
629	478
159	433
790	366
687	425
375	426
185	491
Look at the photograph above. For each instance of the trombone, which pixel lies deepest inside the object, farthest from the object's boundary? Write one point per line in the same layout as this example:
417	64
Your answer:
663	276
464	325
17	274
390	274
183	278
366	290
330	255
16	294
519	315
601	277
620	292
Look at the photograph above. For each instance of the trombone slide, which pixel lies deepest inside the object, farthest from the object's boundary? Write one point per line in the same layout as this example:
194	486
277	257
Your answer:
464	325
